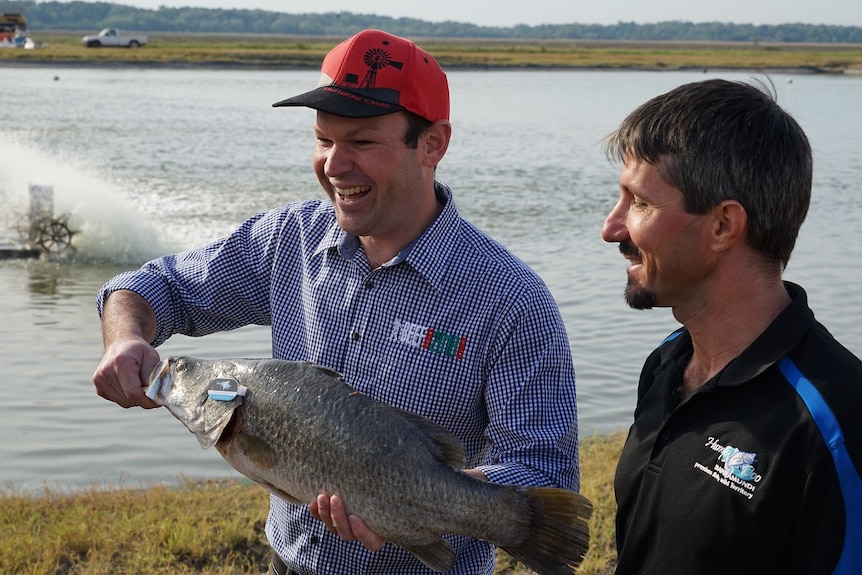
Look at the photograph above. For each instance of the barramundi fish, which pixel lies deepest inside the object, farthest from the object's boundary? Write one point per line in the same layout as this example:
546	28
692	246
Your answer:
300	430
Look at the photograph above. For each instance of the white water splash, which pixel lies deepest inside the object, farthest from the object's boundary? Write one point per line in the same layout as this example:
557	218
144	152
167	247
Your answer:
108	226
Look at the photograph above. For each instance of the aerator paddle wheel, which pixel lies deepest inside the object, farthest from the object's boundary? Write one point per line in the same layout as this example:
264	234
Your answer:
52	235
44	231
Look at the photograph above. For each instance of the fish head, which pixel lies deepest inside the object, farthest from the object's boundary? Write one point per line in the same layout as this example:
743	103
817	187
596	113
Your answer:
202	394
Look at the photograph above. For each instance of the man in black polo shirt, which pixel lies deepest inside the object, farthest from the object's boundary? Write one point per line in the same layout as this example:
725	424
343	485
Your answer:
747	439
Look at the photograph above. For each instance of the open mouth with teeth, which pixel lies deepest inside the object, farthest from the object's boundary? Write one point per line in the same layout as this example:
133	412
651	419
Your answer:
356	190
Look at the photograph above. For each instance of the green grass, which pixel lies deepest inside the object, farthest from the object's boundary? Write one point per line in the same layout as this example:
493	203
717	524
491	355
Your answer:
282	52
212	527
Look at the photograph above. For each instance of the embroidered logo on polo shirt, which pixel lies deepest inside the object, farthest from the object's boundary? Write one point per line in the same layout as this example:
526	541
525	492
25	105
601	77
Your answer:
428	338
738	463
733	468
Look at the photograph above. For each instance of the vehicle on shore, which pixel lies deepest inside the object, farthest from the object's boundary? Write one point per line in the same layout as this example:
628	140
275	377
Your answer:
112	37
13	31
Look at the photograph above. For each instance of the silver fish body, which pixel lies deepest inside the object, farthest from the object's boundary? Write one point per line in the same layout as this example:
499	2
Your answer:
300	430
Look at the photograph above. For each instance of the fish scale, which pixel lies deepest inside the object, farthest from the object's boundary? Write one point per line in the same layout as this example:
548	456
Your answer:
300	430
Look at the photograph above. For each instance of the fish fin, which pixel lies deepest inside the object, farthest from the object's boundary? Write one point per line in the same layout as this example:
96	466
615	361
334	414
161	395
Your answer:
258	451
444	446
327	371
264	458
279	493
435	552
560	534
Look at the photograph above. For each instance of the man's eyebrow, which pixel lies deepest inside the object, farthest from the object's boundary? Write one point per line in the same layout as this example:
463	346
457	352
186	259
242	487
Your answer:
362	131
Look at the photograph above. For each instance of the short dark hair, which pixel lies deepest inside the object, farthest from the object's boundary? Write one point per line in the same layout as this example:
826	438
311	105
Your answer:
416	126
719	140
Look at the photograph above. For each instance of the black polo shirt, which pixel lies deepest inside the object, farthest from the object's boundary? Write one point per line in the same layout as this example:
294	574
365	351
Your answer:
757	471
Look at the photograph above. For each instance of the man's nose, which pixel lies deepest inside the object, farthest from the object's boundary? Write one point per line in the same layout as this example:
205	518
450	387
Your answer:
614	228
337	161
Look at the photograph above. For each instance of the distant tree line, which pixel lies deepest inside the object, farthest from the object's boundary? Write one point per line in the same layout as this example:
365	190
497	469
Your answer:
95	15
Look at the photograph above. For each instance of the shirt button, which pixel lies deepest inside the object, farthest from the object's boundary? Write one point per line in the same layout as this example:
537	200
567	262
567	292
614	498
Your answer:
369	284
665	435
313	539
354	336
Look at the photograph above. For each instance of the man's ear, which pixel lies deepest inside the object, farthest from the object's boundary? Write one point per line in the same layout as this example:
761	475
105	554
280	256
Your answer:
729	223
435	141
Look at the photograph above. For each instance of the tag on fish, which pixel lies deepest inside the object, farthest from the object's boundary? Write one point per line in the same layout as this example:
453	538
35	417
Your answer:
225	389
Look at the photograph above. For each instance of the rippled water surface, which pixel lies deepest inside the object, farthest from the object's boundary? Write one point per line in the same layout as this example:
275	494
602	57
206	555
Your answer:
150	161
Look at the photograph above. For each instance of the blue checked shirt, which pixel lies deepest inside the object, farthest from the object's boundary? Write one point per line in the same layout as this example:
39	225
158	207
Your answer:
454	328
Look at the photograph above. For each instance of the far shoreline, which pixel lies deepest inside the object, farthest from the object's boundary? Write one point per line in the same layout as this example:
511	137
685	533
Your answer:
230	66
274	52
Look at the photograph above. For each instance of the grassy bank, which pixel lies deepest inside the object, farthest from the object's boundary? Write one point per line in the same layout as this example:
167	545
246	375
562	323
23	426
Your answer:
211	527
281	52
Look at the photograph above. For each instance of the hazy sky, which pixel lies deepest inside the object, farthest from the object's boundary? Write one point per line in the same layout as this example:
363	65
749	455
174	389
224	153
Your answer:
511	12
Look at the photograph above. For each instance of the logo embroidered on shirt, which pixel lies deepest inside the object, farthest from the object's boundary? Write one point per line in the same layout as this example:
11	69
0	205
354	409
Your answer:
738	463
733	469
433	340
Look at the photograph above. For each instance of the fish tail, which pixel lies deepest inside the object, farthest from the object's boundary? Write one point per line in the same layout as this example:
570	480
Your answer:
560	533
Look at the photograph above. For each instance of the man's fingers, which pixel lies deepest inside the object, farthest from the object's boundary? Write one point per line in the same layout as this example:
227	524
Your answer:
320	509
333	512
123	372
371	540
339	518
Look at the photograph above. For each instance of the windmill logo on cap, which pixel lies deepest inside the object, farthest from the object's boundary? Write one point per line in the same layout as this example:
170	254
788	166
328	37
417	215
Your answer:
376	59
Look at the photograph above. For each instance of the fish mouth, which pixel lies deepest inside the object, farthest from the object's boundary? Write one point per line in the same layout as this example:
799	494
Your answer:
160	383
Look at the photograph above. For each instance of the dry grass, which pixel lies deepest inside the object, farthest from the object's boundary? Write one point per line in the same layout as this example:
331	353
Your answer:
210	528
157	530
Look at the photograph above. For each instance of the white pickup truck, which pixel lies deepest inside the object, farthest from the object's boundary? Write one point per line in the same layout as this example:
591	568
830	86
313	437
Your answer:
112	37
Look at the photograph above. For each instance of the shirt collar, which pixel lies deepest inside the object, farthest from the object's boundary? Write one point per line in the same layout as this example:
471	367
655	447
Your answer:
781	336
430	253
425	253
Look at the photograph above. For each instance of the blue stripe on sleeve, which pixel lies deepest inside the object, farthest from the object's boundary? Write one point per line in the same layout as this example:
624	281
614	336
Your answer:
850	561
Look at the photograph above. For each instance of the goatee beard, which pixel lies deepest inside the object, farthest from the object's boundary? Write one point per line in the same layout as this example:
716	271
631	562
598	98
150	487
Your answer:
639	298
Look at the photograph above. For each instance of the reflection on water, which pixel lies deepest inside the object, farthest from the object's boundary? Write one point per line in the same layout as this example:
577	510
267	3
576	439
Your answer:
43	280
149	162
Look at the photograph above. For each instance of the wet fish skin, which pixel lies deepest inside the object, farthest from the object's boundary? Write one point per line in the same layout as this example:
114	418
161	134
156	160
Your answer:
300	430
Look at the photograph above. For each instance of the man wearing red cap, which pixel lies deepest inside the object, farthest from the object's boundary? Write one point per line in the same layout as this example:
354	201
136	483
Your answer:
384	283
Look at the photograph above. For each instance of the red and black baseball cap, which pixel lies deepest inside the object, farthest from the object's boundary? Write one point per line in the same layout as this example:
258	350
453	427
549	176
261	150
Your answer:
375	73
